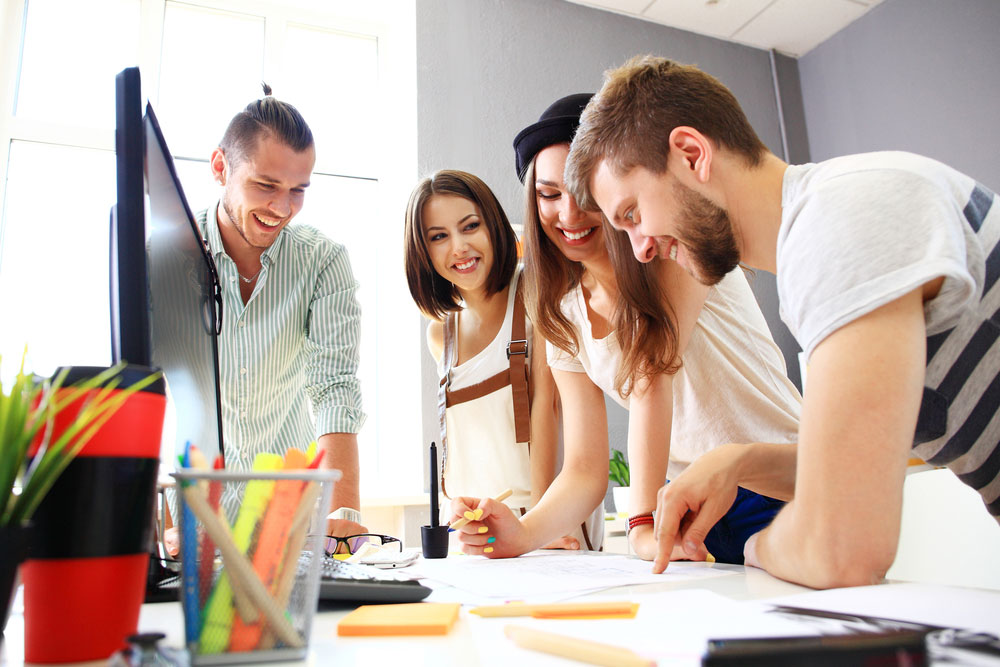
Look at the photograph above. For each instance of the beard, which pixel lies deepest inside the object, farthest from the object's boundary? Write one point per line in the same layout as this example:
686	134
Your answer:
238	224
707	234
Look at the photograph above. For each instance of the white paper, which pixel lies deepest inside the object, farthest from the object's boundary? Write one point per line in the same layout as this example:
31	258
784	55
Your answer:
932	604
672	628
540	575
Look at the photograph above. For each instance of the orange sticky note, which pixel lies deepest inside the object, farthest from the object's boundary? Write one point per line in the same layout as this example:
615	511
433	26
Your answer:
417	618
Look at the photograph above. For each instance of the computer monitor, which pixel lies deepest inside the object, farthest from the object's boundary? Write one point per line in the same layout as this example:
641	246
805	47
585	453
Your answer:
166	301
130	337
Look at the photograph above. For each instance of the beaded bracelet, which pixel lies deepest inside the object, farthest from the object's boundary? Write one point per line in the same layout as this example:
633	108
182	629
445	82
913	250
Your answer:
638	520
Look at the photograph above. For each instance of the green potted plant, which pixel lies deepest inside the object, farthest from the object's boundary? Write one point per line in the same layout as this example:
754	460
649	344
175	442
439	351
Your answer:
618	473
31	461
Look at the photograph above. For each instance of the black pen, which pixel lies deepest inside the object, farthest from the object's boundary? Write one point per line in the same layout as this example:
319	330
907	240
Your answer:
434	486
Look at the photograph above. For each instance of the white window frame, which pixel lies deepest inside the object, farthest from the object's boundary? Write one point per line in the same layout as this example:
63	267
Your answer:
394	467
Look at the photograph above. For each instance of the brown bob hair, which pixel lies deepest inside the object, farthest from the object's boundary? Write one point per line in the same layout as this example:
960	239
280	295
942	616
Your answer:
433	294
628	123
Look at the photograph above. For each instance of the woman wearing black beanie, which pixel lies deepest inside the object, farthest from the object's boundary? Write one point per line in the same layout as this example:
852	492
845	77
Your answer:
695	366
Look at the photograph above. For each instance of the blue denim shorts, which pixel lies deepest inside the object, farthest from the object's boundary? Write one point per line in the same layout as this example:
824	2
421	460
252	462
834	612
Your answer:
750	513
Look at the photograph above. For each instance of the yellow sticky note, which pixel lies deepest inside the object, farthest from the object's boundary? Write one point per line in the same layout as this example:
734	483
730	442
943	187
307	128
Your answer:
417	618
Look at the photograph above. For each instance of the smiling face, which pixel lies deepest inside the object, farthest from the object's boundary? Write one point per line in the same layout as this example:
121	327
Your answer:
664	218
577	233
458	241
263	191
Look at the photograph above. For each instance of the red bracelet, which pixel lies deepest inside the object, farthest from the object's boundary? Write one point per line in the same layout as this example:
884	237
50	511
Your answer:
639	519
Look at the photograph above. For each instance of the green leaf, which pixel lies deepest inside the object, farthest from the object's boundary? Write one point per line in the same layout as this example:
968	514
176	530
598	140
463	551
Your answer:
32	406
618	471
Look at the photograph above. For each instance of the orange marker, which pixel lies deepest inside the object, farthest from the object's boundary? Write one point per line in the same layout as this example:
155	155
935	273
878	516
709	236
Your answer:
270	545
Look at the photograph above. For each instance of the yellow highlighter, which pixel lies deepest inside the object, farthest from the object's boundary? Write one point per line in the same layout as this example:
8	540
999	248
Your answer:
218	612
581	610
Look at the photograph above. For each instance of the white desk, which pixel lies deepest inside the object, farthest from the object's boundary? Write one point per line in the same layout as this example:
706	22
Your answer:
473	641
457	649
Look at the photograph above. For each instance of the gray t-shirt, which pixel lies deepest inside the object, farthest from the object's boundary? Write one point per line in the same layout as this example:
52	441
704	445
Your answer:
860	231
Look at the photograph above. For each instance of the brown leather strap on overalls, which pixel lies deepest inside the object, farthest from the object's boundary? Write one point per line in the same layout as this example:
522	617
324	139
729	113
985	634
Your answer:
516	375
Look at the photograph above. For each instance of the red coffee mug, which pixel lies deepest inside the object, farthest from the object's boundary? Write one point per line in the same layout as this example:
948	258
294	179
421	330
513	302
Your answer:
85	578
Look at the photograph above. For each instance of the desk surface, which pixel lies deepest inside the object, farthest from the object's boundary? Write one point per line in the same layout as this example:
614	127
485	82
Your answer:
473	640
458	648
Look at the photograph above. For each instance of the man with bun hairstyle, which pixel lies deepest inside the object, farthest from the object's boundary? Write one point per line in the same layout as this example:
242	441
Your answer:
290	336
887	267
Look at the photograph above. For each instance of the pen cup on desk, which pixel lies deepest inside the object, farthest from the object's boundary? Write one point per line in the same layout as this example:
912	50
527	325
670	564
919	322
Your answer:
85	576
251	550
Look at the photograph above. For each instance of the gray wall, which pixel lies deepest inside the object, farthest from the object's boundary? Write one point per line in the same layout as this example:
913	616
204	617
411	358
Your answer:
487	68
916	75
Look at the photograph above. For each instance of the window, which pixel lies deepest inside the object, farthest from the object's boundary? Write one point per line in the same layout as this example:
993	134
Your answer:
348	69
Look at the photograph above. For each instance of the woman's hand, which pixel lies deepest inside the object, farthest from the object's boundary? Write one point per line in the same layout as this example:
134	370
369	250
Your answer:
172	541
642	541
566	543
496	533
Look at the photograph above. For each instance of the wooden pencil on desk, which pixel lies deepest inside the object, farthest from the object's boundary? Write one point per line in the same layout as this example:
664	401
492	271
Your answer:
592	653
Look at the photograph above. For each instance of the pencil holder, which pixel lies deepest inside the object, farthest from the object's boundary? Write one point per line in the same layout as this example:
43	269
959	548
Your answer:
251	550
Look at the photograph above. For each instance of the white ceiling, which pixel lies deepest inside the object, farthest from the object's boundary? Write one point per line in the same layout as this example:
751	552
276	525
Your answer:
792	27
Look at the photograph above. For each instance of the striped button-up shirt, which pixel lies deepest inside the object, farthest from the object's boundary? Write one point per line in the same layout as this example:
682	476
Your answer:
294	343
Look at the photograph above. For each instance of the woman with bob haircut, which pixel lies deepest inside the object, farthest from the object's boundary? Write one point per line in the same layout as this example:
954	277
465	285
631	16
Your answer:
696	367
497	402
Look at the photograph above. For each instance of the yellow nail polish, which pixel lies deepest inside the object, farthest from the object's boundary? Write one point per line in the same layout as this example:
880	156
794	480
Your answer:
488	550
479	513
483	529
470	515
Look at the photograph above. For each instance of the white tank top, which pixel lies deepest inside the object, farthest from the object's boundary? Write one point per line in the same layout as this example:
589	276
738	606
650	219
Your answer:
483	457
732	386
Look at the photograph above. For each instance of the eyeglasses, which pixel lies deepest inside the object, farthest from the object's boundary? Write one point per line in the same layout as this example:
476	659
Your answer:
352	543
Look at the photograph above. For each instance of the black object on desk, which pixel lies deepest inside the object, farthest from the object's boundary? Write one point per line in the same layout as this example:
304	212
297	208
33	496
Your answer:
162	583
434	538
902	647
349	582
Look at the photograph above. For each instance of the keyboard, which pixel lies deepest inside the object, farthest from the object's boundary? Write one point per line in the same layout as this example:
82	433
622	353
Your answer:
341	581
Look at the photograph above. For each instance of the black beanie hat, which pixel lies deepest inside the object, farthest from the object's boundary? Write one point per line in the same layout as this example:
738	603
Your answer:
556	125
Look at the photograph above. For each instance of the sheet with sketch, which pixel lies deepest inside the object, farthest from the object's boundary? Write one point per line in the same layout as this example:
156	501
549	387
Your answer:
550	574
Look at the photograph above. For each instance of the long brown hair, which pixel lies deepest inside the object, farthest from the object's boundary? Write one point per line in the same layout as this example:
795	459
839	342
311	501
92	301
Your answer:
644	321
547	276
433	294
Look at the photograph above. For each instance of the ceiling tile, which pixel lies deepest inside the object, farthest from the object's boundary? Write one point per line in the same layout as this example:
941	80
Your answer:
796	26
624	6
720	18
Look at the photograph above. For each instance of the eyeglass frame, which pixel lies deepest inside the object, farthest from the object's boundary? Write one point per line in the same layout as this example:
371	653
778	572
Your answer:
386	539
